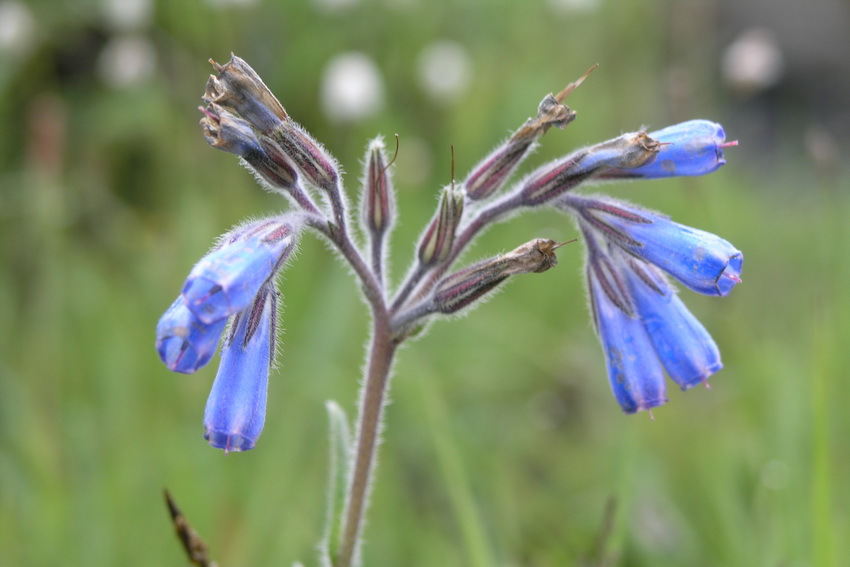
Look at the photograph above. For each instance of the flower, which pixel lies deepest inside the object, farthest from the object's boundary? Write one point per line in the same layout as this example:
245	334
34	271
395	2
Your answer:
701	261
686	350
236	408
634	371
183	341
226	280
690	148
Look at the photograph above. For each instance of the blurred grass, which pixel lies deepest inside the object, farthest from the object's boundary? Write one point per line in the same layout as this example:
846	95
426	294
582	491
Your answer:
503	443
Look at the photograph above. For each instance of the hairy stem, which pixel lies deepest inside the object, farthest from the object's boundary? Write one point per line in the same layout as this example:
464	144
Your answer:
370	281
377	246
408	286
371	410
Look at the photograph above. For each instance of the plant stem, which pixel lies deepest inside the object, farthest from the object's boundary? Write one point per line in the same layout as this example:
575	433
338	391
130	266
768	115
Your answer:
377	246
373	398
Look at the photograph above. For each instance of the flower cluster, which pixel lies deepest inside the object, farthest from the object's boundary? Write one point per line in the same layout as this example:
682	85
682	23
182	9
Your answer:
234	282
644	328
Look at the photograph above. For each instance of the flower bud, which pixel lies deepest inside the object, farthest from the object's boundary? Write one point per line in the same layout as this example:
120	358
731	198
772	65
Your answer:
236	407
184	343
239	88
378	196
308	155
226	280
436	243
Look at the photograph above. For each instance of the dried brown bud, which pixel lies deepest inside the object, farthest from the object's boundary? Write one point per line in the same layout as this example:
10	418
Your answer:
464	287
239	88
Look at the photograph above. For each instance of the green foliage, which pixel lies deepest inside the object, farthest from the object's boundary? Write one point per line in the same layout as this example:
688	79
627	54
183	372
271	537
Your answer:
503	443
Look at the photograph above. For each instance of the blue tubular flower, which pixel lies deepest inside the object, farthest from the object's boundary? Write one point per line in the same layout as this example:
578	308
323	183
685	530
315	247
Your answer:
689	148
236	407
686	350
635	373
184	343
701	261
227	279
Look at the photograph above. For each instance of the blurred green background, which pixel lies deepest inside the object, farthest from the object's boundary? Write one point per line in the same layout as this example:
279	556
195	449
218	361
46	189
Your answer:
503	444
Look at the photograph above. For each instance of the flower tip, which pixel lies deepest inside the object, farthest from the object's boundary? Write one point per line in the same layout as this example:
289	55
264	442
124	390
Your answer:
729	144
731	275
178	355
701	376
630	406
229	442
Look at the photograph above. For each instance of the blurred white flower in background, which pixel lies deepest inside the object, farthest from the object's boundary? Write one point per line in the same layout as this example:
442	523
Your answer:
17	28
126	15
753	62
127	61
444	70
352	87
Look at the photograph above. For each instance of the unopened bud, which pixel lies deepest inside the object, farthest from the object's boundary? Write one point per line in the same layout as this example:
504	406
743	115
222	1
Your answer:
436	244
309	157
378	198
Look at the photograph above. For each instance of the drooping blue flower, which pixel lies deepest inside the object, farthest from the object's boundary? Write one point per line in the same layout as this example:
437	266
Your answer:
689	148
700	260
236	407
183	341
686	350
226	280
634	371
